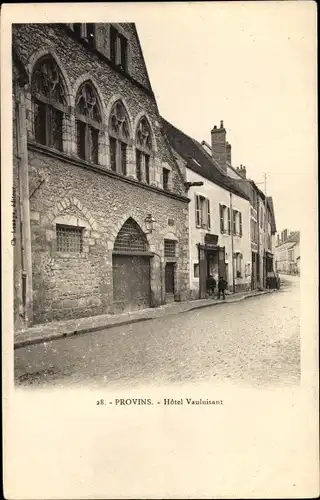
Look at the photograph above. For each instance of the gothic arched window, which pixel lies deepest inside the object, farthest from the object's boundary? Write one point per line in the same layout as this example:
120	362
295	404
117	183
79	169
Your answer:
119	138
49	102
88	123
143	150
131	238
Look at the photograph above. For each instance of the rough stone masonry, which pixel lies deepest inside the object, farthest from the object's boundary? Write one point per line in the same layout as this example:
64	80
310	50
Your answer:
67	189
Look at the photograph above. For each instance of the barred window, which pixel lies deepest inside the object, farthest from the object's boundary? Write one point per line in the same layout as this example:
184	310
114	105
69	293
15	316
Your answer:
49	103
69	238
131	238
169	248
88	123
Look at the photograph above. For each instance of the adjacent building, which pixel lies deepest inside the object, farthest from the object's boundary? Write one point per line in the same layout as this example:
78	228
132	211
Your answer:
102	208
262	224
219	214
287	252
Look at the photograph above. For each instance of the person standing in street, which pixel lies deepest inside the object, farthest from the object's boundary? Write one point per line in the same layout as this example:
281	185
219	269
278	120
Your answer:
222	285
211	285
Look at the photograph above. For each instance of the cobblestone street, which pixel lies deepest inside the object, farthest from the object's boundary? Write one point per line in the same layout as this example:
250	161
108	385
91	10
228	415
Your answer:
255	342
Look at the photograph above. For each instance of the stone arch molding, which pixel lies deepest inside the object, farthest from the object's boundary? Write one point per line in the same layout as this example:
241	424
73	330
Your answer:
87	77
62	205
116	228
112	101
49	51
140	115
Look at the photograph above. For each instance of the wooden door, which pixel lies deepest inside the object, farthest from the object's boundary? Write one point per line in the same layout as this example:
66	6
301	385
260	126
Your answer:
169	277
222	263
203	269
131	283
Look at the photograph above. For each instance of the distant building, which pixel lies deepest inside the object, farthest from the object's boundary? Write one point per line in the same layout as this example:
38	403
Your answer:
287	252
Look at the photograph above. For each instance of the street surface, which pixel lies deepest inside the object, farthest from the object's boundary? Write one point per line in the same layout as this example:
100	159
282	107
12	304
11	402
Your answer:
255	342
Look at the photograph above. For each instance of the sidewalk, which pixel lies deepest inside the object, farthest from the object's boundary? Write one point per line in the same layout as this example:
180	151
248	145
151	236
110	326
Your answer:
57	329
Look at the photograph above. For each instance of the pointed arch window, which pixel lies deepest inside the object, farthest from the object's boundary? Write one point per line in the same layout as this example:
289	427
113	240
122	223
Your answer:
131	238
143	150
119	137
49	103
88	123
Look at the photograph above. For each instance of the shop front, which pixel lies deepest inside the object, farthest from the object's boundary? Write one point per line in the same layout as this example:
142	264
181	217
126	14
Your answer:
211	262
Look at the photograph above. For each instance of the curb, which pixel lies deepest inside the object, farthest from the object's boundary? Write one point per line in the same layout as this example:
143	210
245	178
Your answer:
54	336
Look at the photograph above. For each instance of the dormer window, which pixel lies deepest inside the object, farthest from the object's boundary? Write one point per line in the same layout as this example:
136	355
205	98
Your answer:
118	49
85	31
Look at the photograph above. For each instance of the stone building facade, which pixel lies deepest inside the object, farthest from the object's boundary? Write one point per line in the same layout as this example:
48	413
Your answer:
105	201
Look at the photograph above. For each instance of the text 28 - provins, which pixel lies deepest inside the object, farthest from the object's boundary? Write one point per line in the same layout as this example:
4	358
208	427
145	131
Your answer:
165	401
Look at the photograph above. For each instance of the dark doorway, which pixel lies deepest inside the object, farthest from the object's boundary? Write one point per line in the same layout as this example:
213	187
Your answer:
131	269
169	278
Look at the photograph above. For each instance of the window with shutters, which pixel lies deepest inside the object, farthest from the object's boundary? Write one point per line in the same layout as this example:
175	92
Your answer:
198	211
203	215
86	31
143	150
118	48
88	123
49	103
225	219
118	138
237	223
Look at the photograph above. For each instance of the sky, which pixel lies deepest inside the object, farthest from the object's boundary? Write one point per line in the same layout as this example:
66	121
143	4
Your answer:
252	66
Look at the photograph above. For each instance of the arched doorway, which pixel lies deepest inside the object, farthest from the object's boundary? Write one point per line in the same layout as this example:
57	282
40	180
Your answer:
131	269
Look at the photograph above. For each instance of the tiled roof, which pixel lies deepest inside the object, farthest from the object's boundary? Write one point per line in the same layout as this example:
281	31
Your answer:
294	237
273	219
198	160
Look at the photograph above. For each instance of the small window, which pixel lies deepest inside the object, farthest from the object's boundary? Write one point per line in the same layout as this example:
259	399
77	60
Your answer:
69	239
123	52
196	270
90	33
169	248
118	49
165	175
77	29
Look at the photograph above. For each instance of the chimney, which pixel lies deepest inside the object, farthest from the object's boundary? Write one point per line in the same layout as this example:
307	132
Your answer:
228	152
285	234
218	145
242	171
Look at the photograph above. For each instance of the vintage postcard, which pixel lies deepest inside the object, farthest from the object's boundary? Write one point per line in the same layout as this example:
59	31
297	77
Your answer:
159	242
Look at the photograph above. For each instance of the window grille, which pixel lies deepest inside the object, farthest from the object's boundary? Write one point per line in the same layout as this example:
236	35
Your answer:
131	238
69	239
169	248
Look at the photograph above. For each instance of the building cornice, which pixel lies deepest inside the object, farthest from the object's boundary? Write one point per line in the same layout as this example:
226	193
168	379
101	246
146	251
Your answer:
32	146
